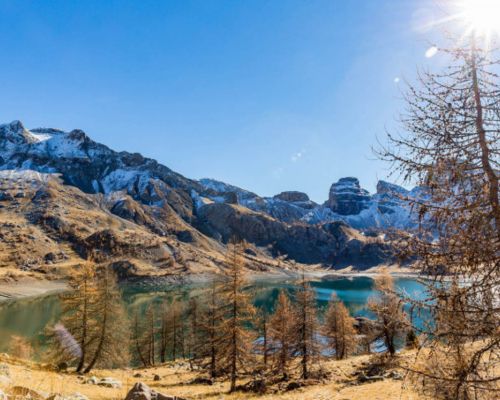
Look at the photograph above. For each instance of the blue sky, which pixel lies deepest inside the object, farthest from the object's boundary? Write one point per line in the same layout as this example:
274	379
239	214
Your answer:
266	95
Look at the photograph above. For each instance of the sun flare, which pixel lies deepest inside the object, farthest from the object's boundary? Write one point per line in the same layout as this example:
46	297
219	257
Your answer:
481	16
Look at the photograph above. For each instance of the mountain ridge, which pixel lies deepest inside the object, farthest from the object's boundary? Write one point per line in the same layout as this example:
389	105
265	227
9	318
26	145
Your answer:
205	213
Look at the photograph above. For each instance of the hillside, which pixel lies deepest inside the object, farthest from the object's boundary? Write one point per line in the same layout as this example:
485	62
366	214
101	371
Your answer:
64	197
177	380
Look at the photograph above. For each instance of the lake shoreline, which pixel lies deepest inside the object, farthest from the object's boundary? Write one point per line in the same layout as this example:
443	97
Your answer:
32	287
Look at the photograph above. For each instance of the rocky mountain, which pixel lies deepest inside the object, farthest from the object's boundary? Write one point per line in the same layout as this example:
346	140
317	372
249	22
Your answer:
64	196
347	202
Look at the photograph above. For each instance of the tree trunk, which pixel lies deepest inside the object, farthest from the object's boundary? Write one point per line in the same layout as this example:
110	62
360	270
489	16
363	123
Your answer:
485	151
83	342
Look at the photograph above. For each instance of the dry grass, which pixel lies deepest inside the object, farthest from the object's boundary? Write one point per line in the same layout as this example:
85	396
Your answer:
175	381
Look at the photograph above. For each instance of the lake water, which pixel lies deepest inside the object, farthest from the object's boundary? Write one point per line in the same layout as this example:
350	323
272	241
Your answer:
29	317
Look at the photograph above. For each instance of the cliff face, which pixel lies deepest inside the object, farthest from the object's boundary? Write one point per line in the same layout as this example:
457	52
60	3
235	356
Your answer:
83	194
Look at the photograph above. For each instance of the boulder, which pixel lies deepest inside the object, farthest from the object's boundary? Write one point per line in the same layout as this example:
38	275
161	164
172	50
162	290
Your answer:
77	396
362	377
73	396
141	391
394	375
110	382
256	386
92	381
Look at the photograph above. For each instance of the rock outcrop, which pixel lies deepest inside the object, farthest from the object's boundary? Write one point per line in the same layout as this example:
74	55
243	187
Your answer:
333	243
347	197
141	391
146	219
292	196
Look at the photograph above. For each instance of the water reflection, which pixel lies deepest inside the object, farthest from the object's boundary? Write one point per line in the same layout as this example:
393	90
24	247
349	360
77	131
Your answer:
29	317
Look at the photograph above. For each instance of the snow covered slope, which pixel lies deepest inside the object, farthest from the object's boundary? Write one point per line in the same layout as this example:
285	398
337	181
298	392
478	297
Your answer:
207	213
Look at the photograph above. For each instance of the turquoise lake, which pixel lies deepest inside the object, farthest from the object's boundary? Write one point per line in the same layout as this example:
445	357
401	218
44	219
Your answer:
29	317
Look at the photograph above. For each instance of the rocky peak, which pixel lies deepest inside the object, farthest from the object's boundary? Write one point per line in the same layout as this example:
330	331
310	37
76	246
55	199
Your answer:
15	133
387	188
347	197
292	196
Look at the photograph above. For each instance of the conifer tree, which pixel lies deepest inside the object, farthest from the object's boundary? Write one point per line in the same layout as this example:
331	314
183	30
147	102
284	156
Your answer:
111	324
207	347
235	343
263	331
339	329
449	145
78	316
138	342
194	330
149	335
281	334
174	329
391	321
306	344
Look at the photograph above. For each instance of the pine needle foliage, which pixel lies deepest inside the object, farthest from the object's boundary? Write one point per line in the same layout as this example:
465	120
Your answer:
306	343
450	146
391	320
236	339
281	335
339	329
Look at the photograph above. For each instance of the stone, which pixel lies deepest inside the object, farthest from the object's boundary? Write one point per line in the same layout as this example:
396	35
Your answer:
92	381
363	378
50	257
395	375
256	386
201	380
141	391
77	396
62	366
110	382
294	385
156	378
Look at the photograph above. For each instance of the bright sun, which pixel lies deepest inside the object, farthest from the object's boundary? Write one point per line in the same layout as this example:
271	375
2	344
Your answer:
481	16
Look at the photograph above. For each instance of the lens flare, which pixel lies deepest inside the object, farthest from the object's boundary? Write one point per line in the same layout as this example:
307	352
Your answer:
482	16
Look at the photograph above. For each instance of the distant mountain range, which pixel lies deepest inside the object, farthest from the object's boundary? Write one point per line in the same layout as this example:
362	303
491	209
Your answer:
143	198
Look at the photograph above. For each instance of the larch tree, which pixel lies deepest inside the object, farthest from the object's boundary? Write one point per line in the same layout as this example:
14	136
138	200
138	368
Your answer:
149	337
281	334
391	322
306	341
194	330
111	324
450	146
236	339
262	323
339	329
174	329
78	319
210	318
140	348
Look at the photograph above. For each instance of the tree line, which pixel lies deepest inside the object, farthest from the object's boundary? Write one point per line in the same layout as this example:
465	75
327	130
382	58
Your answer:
221	334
